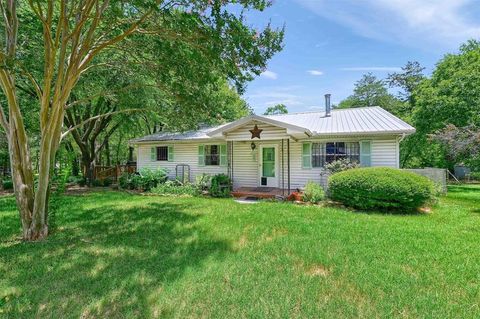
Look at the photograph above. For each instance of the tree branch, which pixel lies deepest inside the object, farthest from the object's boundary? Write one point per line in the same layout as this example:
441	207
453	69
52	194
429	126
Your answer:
97	117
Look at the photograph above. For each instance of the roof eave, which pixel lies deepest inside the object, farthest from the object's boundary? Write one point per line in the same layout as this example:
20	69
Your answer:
406	132
231	126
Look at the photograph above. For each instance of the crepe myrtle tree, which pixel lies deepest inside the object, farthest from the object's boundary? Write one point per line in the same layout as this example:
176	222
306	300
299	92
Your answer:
73	33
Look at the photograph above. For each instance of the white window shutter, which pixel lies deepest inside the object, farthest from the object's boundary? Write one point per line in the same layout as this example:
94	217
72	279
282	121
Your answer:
153	154
366	153
307	155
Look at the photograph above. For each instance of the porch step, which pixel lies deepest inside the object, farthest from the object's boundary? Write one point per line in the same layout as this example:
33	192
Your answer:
258	193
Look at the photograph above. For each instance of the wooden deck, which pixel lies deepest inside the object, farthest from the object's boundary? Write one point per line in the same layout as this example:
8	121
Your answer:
258	192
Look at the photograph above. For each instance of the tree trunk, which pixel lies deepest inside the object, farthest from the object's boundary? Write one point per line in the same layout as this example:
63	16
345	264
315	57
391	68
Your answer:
107	153
34	227
88	168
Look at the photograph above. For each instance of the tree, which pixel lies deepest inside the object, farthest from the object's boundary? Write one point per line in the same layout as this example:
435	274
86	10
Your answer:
277	109
407	81
73	35
461	143
450	97
370	91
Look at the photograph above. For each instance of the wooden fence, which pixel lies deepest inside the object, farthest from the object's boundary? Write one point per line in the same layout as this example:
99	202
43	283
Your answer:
113	172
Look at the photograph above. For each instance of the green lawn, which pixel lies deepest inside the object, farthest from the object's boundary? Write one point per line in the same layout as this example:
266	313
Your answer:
119	255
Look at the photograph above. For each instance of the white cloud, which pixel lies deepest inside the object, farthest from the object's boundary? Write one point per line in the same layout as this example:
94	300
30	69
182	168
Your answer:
269	75
287	102
420	23
373	68
272	95
315	72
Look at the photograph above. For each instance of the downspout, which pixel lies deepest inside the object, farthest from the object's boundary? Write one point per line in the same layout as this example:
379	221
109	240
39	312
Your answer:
399	140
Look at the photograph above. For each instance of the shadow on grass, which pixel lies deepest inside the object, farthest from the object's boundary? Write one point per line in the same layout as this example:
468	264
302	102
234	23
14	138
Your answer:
464	189
384	212
106	261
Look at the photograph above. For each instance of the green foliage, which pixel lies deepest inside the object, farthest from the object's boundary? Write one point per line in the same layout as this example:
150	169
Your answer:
450	96
313	193
381	188
370	91
7	184
475	176
203	245
341	165
276	109
176	188
220	186
144	180
203	181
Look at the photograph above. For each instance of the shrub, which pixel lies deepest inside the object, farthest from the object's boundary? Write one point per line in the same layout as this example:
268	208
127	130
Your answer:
107	182
176	188
313	193
144	180
97	183
124	181
220	186
7	184
203	181
381	188
341	165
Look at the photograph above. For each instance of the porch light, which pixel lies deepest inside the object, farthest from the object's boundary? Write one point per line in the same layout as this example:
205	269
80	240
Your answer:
253	146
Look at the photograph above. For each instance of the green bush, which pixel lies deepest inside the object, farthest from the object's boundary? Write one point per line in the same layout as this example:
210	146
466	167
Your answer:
220	186
176	188
381	188
144	180
203	181
124	181
7	184
341	165
313	193
97	183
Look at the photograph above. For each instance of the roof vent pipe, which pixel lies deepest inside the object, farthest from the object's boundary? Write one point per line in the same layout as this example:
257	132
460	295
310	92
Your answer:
328	108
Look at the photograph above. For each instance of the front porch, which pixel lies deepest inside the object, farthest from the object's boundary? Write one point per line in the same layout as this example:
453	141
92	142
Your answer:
259	192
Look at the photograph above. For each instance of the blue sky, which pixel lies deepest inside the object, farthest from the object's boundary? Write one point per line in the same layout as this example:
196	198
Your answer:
329	44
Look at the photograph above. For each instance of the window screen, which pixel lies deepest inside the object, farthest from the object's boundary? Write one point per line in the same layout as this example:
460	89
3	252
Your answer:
324	153
212	155
162	153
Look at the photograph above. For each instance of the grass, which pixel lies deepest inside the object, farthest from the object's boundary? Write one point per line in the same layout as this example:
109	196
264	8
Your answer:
119	255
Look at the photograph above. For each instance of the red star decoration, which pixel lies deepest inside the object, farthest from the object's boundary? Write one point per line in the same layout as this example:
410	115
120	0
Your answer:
256	132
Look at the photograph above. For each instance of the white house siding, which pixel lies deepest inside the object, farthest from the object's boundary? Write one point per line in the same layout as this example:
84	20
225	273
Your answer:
270	132
245	162
184	153
384	153
245	165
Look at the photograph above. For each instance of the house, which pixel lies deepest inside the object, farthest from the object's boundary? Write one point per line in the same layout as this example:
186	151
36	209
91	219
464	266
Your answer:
279	152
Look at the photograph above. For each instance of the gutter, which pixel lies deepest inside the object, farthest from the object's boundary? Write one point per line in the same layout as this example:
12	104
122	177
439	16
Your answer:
402	138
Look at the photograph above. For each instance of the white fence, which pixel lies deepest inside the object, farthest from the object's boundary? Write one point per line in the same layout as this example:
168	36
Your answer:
438	175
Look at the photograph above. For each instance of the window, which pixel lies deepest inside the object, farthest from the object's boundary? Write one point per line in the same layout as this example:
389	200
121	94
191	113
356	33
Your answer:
324	153
162	153
212	155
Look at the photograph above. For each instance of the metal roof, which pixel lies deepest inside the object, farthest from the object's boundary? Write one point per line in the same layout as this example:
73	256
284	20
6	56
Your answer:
368	120
362	120
173	136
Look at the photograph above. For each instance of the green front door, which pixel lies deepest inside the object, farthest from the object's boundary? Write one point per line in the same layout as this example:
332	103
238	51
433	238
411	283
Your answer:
268	162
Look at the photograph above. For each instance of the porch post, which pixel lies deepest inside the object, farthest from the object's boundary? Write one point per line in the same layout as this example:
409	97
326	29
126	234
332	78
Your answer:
288	164
230	159
283	171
